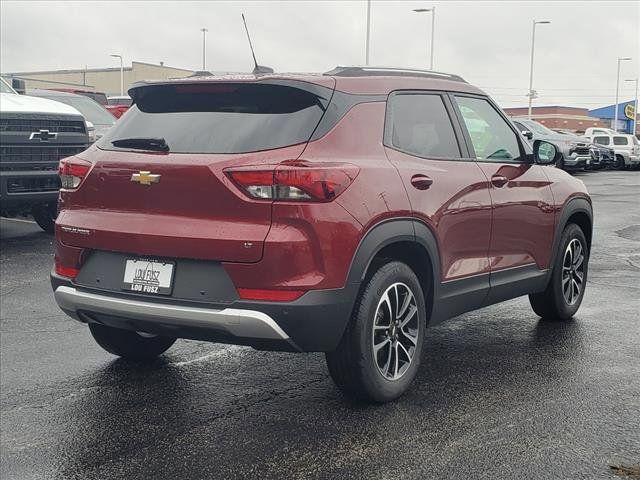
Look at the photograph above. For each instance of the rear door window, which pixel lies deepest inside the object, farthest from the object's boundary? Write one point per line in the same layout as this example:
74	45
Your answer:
620	141
601	140
492	138
222	117
419	125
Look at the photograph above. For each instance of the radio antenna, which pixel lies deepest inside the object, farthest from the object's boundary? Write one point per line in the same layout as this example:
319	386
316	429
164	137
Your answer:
257	69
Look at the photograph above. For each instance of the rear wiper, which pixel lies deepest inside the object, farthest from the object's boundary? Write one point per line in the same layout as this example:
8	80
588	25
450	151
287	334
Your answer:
156	144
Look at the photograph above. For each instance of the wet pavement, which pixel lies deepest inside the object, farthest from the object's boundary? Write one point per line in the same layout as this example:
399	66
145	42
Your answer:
501	394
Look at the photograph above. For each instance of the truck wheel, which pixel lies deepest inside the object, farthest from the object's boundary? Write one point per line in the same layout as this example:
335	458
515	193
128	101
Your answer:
619	162
564	293
45	216
379	354
129	344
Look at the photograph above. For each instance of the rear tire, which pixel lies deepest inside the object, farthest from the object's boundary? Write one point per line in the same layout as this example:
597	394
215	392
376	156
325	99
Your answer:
564	293
379	353
129	344
45	216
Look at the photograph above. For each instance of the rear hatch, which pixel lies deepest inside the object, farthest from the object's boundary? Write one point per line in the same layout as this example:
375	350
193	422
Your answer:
175	200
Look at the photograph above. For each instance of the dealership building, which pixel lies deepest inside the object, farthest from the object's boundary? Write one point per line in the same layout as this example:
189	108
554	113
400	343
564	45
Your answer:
626	112
105	80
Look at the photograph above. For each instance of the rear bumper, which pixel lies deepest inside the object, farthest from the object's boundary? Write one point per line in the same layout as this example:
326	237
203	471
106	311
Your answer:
315	322
243	324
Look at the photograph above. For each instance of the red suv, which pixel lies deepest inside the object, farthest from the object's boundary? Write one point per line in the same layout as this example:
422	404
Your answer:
341	213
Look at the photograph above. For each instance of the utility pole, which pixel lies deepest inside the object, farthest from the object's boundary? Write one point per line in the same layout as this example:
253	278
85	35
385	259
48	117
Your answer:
433	26
121	73
615	114
366	55
532	92
635	107
204	49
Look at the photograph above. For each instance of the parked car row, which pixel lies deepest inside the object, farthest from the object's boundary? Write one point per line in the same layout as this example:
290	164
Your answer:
35	134
116	104
597	148
37	130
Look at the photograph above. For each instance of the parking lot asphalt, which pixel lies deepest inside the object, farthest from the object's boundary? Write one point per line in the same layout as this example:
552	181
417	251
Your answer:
501	394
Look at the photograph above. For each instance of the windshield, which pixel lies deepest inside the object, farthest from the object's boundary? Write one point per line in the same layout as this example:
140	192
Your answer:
221	117
89	109
535	127
5	88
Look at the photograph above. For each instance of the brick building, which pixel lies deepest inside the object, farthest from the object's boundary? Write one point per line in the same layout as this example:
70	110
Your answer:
555	117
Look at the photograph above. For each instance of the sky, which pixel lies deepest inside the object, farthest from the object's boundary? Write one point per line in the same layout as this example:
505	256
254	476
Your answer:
487	43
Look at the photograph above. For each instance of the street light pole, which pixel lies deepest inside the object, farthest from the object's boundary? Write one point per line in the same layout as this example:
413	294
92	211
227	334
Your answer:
533	42
366	55
433	25
615	114
204	48
121	73
635	107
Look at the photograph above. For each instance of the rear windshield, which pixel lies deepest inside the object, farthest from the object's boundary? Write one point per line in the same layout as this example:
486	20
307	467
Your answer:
222	117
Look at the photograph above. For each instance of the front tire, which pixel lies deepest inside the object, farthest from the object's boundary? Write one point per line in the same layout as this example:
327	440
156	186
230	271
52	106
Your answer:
565	291
45	216
379	354
129	344
620	165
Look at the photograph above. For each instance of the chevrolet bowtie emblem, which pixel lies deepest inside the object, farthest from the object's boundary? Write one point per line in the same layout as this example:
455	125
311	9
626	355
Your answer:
145	178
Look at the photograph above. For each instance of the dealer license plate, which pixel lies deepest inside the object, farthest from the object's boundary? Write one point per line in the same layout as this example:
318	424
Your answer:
144	275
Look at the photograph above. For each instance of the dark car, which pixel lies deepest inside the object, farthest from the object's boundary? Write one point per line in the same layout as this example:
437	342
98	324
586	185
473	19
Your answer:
603	157
341	213
575	153
99	97
91	110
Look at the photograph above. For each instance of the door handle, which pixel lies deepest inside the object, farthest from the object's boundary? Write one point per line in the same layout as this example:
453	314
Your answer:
499	181
421	182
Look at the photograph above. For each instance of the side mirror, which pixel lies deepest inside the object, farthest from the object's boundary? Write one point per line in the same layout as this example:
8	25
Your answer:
544	153
18	85
528	134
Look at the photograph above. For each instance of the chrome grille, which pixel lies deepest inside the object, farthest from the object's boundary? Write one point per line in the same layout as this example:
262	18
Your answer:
36	124
35	158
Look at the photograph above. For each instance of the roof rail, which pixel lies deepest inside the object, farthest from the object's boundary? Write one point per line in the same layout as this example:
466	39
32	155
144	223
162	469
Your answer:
365	71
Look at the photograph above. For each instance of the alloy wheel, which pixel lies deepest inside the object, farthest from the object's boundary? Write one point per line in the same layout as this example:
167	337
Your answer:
395	331
573	272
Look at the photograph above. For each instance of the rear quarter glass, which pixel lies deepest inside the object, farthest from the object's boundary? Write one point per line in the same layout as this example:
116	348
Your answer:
223	117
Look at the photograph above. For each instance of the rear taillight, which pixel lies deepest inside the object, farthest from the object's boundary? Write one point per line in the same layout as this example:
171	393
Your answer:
72	171
294	181
66	271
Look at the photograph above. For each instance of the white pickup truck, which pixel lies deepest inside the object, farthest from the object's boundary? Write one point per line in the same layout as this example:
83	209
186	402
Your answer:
35	134
625	146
